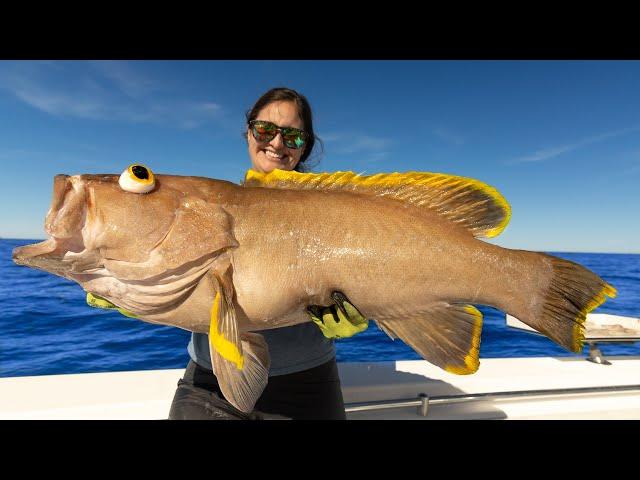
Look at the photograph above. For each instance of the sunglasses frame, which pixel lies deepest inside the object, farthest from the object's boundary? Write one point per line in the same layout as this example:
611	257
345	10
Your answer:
282	130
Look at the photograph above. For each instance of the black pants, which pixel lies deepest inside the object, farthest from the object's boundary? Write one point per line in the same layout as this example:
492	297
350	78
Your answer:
312	394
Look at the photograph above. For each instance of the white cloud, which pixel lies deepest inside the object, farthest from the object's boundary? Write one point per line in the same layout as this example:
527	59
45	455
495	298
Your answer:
57	103
551	152
377	157
130	82
449	136
354	143
633	169
17	153
106	91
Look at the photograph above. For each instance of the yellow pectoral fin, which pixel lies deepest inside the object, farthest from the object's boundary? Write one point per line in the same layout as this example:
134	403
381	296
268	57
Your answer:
227	350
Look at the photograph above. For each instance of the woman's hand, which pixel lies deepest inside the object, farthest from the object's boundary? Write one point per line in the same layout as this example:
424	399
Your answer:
342	320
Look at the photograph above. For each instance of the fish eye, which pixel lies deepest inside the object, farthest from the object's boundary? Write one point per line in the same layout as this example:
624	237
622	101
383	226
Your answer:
137	179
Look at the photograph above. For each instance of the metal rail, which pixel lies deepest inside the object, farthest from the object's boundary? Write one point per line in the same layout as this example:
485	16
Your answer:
424	401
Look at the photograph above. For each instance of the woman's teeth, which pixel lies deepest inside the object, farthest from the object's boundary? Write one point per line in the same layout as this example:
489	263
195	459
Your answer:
271	154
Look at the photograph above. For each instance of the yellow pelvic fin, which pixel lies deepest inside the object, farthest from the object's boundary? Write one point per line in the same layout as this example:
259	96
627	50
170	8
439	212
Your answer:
470	203
227	350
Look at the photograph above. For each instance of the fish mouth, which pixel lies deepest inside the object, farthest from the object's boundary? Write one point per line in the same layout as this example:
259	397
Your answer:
60	253
48	255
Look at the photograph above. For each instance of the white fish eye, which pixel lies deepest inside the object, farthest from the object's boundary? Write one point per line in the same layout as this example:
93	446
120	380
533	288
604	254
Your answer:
137	179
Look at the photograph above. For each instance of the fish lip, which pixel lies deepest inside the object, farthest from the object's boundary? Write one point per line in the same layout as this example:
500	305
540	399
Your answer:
63	237
48	255
21	255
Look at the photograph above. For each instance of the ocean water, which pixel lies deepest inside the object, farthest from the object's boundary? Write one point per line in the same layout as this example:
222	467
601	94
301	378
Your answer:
47	328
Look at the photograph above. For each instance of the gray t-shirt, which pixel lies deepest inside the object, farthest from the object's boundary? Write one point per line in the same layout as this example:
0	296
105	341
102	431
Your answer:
292	349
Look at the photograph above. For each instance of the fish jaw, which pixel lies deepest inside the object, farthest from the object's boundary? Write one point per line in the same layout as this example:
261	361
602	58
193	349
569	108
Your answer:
44	255
64	252
57	256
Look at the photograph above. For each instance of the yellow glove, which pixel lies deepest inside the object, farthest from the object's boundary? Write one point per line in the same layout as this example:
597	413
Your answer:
342	320
99	302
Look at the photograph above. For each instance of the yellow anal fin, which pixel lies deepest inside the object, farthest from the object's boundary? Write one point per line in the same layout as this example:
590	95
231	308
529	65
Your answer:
446	335
470	203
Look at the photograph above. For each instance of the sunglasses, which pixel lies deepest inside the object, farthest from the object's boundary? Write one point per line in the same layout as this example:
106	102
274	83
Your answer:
264	131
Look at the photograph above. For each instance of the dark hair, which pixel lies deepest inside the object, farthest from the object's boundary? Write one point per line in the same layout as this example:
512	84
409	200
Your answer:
280	94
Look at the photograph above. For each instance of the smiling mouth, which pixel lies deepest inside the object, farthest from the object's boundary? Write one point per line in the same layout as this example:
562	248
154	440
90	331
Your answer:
274	156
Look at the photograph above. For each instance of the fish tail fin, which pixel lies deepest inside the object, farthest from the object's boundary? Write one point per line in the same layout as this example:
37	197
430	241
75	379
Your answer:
561	307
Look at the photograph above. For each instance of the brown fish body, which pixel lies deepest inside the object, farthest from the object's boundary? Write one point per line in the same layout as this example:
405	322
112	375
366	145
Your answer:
214	257
293	248
390	259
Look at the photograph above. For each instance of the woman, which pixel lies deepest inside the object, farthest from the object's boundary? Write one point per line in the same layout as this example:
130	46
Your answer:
303	378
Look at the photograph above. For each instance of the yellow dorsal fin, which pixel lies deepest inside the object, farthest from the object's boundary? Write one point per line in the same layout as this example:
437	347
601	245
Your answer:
470	203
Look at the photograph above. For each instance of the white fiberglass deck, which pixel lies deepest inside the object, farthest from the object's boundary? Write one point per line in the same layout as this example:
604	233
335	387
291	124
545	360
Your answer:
148	394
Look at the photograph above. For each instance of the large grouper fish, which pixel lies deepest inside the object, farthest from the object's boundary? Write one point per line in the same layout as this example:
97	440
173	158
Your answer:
231	260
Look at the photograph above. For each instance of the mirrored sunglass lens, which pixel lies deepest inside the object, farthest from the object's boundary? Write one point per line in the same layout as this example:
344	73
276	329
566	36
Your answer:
263	131
262	134
264	126
294	141
293	138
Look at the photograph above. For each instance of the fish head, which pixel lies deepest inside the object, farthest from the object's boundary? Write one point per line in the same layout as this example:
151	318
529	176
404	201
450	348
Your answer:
92	219
112	241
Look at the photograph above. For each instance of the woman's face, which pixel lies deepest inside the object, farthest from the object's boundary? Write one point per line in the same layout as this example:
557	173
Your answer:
266	156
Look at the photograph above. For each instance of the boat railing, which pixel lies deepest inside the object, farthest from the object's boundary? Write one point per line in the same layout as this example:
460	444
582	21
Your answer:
600	320
595	354
423	402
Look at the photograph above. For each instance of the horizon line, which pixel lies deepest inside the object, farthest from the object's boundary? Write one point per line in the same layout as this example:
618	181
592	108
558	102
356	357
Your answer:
531	250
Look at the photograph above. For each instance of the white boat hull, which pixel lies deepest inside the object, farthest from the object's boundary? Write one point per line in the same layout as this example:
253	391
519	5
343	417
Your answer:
148	394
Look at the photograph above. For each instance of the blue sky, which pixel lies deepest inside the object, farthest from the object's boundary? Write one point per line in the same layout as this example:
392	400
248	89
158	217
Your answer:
559	139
